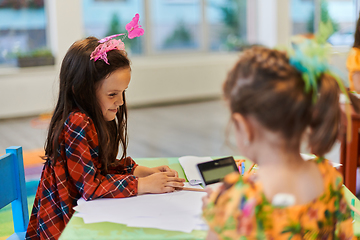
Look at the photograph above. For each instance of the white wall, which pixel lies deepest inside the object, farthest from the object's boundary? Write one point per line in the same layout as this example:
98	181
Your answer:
26	92
269	22
175	78
155	79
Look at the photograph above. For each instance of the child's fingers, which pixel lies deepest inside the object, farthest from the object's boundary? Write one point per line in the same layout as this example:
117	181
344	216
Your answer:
164	168
175	184
205	201
208	190
168	189
170	174
175	172
175	179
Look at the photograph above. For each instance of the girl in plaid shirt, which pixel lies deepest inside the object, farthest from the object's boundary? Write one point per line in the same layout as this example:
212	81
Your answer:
88	125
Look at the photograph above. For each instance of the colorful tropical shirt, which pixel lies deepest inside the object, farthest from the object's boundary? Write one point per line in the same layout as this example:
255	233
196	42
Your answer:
353	65
76	174
240	210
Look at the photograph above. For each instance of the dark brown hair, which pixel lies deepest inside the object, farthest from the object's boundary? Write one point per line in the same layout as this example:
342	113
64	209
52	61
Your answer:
357	35
79	79
263	84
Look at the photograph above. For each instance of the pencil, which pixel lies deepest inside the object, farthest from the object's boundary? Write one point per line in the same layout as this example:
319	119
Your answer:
242	168
191	189
252	166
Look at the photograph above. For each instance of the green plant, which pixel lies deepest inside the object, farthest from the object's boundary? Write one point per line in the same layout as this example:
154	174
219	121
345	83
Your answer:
180	36
19	4
115	27
233	35
41	52
324	17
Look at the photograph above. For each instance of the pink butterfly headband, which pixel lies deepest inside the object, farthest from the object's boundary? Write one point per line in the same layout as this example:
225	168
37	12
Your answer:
108	43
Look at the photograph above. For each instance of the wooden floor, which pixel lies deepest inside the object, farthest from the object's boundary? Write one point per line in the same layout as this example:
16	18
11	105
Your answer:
166	131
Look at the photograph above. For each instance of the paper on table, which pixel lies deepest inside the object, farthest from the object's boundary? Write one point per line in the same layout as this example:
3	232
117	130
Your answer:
176	211
188	163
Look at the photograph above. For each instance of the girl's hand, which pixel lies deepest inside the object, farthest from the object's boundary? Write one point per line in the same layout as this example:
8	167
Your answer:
211	235
205	199
165	168
142	171
160	182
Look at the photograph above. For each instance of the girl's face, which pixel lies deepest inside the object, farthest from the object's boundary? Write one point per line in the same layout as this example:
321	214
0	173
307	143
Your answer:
110	92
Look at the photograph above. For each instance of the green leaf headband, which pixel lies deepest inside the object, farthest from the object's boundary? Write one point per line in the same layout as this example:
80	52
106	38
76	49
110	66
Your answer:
310	57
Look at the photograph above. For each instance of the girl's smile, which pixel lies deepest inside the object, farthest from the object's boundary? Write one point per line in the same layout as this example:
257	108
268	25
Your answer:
110	92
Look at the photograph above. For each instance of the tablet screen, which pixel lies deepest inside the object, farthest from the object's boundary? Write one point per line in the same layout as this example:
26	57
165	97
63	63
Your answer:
215	171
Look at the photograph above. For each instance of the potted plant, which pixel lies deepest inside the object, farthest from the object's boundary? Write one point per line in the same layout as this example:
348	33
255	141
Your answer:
38	57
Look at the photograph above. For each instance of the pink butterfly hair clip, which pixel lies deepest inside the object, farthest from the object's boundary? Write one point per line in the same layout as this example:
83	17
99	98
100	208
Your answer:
108	43
134	28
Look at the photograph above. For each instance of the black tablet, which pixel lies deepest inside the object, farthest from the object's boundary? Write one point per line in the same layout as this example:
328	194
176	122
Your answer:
215	171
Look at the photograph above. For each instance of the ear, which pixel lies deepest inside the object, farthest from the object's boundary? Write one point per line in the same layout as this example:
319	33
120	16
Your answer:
243	127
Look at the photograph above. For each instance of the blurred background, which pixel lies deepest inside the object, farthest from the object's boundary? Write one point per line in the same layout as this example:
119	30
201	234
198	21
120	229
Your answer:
178	65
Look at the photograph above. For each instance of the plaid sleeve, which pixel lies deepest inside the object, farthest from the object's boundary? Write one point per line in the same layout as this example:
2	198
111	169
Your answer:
81	146
124	166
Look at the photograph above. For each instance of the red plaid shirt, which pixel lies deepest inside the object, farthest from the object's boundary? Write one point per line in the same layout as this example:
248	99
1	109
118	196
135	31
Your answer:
75	175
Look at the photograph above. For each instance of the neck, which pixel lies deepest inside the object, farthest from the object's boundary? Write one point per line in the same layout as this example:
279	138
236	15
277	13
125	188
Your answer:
284	171
275	156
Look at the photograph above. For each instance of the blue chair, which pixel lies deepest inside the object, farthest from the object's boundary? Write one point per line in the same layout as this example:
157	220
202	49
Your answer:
13	189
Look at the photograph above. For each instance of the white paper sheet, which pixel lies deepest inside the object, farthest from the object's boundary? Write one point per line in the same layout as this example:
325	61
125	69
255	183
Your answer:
188	163
176	211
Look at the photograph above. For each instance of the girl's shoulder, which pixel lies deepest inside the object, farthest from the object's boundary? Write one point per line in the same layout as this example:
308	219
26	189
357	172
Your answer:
231	208
235	185
79	118
248	184
331	176
78	121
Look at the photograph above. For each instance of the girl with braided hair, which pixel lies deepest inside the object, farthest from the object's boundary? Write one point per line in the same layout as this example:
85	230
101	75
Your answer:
273	107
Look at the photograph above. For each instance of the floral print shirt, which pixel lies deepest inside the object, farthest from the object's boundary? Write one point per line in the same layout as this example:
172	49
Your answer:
240	210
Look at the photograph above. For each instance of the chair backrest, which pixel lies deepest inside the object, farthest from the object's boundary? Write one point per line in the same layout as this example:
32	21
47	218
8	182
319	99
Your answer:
12	187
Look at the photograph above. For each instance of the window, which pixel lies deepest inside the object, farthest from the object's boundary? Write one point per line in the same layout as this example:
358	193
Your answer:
341	13
302	13
227	24
22	29
171	25
176	25
108	17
